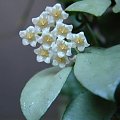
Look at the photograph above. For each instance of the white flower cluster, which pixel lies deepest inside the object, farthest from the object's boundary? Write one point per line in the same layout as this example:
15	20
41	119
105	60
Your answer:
55	37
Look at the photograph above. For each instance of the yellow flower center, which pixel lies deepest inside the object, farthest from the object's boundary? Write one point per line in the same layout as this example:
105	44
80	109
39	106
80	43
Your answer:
30	36
44	53
78	40
42	23
47	39
62	47
62	30
61	60
56	14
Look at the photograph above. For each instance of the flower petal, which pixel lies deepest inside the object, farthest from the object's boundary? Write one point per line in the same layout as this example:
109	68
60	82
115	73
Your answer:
25	42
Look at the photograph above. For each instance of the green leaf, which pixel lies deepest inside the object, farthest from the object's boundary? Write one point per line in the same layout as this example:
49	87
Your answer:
99	71
95	7
67	0
72	87
116	8
89	107
41	91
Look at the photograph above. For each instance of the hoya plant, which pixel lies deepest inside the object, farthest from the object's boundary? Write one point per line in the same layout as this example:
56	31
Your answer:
86	66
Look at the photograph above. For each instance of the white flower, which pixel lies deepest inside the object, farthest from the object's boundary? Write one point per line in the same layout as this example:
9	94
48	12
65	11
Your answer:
29	36
62	48
61	62
44	21
43	55
62	30
46	39
55	37
57	12
78	40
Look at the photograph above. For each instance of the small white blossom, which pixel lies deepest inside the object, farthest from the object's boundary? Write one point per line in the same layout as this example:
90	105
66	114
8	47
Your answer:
29	36
55	38
43	55
57	12
78	40
44	21
62	30
62	48
46	39
61	62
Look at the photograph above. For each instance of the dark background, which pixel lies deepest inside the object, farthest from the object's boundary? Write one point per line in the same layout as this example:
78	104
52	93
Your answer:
17	62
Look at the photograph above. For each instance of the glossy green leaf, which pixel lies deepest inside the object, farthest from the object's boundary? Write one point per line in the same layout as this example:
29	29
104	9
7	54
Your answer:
99	71
116	8
95	7
41	90
89	107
